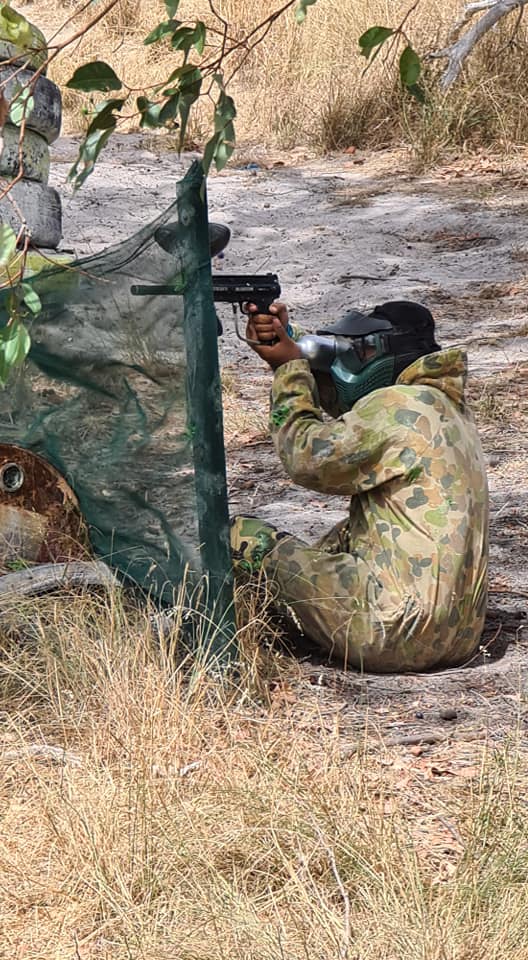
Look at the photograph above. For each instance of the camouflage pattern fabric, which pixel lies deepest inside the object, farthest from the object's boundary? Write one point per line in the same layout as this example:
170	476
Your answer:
401	584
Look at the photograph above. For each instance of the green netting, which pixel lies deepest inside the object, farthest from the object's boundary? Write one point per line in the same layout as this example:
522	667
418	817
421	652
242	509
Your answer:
121	394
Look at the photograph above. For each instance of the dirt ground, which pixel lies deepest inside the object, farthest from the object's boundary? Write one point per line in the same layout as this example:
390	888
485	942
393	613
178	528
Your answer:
355	231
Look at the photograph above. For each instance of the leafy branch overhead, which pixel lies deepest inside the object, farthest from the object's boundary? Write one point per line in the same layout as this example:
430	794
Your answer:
203	68
207	56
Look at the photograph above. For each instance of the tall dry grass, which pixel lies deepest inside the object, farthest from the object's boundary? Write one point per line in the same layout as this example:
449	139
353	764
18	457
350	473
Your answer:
307	85
180	817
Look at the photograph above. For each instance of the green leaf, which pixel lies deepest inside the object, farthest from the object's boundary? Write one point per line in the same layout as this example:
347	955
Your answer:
225	149
187	37
222	144
88	154
104	114
184	73
225	111
21	106
14	345
190	88
7	244
15	27
97	135
302	9
183	39
150	113
200	34
172	7
162	30
372	38
95	76
31	299
410	67
209	153
169	110
417	92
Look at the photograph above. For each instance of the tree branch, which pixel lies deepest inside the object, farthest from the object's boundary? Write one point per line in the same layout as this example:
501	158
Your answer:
458	51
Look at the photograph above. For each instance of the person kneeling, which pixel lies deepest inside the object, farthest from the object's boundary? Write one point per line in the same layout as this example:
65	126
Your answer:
401	583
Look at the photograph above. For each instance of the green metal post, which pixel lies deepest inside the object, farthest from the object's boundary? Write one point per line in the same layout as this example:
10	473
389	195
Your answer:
205	416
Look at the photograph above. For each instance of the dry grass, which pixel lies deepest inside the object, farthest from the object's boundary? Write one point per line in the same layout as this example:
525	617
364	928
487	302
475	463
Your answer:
306	85
196	820
245	408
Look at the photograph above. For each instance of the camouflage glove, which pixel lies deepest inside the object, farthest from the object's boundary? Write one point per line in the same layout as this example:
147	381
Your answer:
251	540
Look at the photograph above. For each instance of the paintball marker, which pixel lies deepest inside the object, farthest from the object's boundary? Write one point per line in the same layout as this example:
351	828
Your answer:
260	289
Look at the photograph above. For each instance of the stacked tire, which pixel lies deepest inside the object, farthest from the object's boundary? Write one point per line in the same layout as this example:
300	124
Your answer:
31	200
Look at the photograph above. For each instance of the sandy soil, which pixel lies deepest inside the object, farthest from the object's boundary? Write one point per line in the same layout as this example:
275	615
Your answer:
354	231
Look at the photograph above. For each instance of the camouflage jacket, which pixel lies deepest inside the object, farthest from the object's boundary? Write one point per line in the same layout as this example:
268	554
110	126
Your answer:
410	458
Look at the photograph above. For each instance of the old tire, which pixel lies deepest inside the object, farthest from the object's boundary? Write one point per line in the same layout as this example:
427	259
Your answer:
40	207
35	155
46	116
33	53
48	577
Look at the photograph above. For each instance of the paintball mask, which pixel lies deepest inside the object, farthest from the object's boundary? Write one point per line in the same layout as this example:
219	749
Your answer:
365	352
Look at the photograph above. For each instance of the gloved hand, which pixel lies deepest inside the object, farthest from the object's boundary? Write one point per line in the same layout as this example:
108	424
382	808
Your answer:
272	327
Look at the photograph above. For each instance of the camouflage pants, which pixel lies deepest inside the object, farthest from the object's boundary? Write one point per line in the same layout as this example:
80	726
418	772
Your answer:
331	594
327	589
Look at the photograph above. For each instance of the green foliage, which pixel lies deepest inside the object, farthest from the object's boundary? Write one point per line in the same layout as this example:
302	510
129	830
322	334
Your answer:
15	27
410	71
149	112
31	299
21	300
221	145
99	132
373	39
172	6
21	106
170	103
165	29
15	343
302	9
410	65
185	96
200	34
7	244
182	37
95	76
